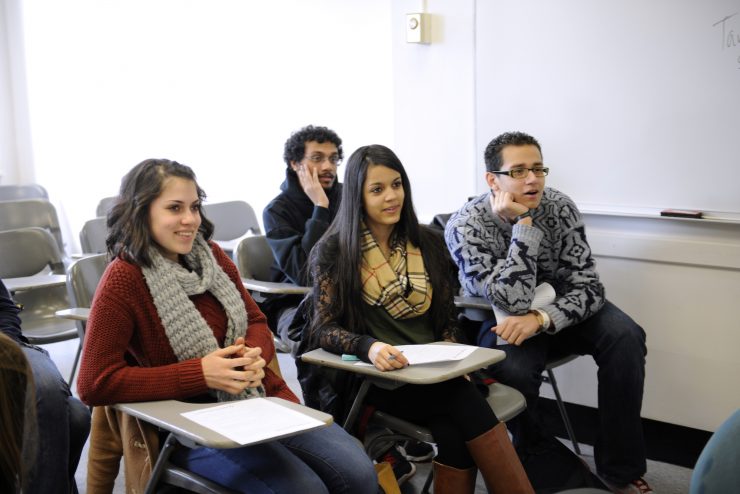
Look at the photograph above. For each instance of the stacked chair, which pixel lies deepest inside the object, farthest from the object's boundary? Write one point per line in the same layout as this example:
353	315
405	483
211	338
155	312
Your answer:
25	213
93	234
33	269
232	221
104	206
19	192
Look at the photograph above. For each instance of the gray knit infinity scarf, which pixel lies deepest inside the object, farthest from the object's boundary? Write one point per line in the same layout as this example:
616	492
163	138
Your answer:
170	285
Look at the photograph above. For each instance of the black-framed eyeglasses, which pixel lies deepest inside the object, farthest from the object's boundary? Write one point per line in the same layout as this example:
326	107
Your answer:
319	158
539	171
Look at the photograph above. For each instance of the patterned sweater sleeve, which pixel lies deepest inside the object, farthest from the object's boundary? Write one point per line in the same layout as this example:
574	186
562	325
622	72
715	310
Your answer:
580	293
480	254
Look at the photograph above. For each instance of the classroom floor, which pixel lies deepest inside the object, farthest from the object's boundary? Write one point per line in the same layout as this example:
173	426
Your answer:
663	477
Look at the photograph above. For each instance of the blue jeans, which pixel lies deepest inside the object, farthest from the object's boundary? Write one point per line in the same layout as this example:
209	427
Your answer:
326	460
63	424
617	344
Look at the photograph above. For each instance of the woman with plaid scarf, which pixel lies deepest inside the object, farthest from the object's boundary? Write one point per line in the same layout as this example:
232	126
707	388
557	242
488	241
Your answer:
379	280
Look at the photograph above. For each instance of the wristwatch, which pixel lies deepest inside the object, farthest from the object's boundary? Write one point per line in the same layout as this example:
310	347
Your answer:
540	320
525	214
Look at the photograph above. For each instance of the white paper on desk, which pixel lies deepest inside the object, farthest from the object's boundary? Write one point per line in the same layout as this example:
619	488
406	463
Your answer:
427	354
253	420
544	294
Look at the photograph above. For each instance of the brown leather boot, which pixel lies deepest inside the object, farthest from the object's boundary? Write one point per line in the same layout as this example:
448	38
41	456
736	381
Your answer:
498	462
451	480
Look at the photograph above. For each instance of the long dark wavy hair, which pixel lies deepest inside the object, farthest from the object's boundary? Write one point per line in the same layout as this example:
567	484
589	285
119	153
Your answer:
129	236
338	256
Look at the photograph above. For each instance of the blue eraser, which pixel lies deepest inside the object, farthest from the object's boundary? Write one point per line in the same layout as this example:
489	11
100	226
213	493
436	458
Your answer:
346	356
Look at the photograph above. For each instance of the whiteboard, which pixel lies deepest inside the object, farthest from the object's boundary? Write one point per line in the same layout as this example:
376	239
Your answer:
636	104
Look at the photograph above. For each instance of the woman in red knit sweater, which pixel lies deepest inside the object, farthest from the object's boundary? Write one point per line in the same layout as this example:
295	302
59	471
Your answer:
171	320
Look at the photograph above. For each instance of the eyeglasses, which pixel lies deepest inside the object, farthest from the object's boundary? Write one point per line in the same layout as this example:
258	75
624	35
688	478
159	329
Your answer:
539	171
317	159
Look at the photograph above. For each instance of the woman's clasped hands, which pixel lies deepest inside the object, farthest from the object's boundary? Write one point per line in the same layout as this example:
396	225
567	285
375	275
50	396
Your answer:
234	368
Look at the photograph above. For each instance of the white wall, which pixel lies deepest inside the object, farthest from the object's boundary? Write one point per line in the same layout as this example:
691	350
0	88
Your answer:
215	84
679	280
434	105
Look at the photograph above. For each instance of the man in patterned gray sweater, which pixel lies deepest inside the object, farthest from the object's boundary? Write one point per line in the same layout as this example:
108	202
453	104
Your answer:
518	236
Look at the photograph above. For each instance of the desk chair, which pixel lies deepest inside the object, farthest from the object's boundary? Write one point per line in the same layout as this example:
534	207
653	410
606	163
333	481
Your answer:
83	277
31	254
17	192
104	206
717	469
232	220
29	213
253	258
92	236
167	416
478	309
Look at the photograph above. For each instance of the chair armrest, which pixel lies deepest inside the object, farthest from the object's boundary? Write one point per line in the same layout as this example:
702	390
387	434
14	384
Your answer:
36	281
273	287
474	308
472	303
75	313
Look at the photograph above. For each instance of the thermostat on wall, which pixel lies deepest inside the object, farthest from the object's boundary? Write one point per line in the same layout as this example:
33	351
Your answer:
417	28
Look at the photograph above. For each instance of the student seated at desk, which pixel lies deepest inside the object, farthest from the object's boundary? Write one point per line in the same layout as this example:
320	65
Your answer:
379	280
171	320
523	234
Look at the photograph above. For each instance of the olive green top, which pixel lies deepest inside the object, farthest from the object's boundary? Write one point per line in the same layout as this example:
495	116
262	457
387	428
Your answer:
383	327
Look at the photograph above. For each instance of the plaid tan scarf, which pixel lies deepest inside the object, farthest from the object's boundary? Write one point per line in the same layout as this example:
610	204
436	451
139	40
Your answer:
399	283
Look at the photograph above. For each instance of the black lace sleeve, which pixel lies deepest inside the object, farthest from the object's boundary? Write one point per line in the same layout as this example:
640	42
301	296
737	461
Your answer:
330	334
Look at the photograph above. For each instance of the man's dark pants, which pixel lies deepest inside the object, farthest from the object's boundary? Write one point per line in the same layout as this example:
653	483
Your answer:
617	344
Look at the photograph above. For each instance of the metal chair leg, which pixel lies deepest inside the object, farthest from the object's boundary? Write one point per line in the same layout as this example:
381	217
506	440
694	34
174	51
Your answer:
74	365
563	412
164	455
